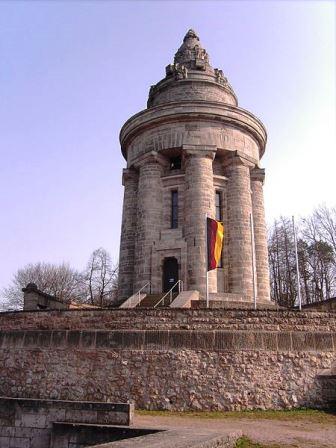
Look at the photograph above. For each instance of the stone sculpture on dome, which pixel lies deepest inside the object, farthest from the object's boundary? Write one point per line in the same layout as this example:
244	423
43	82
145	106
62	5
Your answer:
191	51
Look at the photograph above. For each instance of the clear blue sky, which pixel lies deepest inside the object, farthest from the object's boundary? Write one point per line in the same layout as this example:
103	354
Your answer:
73	72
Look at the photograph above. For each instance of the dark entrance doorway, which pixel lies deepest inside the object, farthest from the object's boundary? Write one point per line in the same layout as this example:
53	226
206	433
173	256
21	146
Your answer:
170	273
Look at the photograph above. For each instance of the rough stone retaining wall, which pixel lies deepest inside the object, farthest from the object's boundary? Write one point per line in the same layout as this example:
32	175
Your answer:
204	359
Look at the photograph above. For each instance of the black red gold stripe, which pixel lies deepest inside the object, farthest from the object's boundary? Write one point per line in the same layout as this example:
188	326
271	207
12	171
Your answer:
215	235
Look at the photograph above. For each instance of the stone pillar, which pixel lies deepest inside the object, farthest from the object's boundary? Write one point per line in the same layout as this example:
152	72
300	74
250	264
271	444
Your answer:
127	238
30	297
149	217
239	208
199	201
260	234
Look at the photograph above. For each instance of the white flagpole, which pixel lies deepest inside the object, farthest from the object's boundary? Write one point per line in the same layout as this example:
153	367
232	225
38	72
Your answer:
206	261
297	265
253	263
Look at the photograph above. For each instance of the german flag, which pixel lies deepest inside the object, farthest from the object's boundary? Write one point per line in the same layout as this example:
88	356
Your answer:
215	235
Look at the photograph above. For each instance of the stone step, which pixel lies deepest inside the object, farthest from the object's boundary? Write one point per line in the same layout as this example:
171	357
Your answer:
150	301
133	301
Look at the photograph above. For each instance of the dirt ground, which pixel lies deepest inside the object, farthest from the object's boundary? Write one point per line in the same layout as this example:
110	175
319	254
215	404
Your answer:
302	433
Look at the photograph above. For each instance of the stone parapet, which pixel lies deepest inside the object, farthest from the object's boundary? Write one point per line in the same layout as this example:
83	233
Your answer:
34	299
179	438
184	299
325	305
170	318
232	304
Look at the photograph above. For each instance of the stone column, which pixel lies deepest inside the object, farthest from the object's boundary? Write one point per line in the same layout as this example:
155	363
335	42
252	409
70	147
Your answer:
149	216
127	238
199	201
260	234
239	208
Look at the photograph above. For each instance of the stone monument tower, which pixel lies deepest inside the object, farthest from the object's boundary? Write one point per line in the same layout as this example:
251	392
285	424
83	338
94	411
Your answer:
193	152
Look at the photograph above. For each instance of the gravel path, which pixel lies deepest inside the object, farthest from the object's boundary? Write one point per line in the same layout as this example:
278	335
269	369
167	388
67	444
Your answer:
285	433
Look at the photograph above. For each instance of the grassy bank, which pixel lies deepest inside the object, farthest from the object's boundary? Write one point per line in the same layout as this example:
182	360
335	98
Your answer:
245	442
312	415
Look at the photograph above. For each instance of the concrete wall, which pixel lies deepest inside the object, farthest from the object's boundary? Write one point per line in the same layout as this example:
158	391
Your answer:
181	359
28	423
65	435
326	305
34	299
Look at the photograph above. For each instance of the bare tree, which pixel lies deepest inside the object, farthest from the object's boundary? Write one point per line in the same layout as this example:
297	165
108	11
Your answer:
101	278
97	285
321	226
316	253
282	262
61	281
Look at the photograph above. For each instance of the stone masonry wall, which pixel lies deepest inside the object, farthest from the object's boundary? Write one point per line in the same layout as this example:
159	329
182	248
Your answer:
188	360
169	319
174	135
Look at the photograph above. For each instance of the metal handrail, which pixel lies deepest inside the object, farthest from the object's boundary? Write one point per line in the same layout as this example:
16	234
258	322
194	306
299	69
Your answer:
170	292
138	293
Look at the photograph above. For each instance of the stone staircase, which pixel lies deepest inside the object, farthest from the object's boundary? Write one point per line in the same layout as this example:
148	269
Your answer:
153	299
150	301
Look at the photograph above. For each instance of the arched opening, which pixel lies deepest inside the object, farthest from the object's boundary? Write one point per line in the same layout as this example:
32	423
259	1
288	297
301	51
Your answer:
169	273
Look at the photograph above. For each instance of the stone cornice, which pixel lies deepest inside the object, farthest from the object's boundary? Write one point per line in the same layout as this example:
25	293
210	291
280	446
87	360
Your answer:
208	151
258	174
240	158
173	177
150	157
193	111
219	181
129	174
